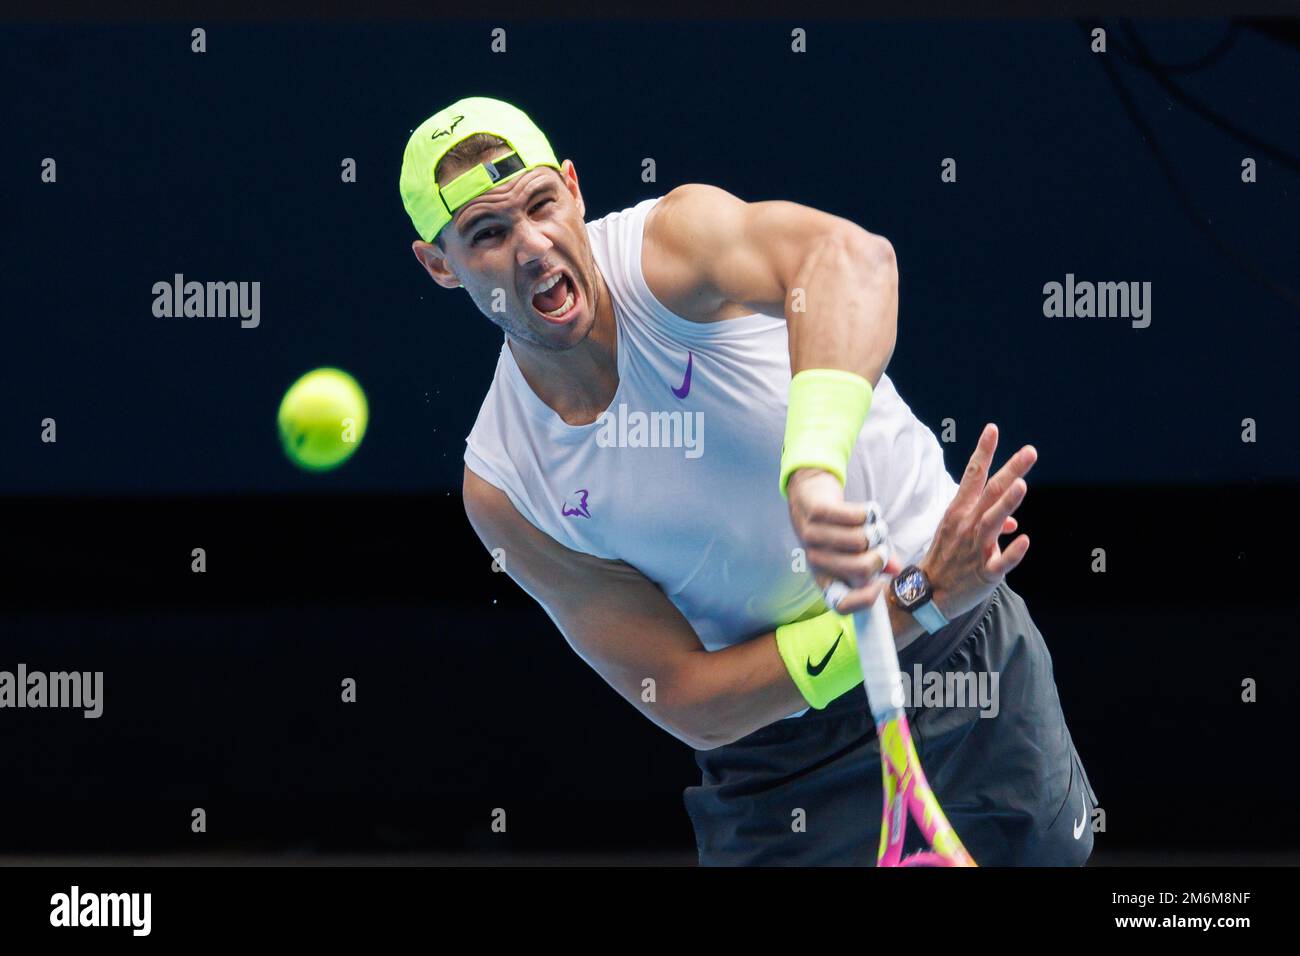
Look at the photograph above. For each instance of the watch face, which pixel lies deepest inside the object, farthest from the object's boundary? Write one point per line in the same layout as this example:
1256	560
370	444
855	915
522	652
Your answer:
910	587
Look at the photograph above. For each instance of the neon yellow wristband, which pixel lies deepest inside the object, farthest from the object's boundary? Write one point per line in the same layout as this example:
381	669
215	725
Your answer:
826	410
821	654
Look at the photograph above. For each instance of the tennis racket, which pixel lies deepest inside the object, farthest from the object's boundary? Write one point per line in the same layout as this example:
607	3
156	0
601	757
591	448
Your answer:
907	793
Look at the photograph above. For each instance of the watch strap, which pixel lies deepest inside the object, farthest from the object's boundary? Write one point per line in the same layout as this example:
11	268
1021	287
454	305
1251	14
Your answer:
929	616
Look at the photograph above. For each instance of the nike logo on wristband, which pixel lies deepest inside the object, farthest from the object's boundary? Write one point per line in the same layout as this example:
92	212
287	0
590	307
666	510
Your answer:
815	669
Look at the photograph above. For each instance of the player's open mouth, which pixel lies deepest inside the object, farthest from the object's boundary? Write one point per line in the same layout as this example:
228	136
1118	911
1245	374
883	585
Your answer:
556	298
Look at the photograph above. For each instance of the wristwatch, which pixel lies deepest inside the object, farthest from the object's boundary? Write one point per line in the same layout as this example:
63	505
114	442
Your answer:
913	594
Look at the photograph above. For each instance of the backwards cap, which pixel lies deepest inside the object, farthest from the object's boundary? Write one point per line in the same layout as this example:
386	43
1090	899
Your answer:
431	207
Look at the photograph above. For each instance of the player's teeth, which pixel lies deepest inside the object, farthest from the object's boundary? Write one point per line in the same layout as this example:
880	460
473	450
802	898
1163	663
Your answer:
542	287
568	304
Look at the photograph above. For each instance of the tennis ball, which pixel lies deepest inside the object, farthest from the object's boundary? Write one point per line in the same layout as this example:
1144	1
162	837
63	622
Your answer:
322	419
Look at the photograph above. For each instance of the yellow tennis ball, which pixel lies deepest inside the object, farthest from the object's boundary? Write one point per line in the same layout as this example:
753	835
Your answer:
322	419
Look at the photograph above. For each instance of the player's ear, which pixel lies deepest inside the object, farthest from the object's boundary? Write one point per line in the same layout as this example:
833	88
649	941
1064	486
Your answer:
569	174
435	263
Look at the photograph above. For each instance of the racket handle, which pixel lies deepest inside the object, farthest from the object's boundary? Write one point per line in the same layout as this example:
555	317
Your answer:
876	648
879	657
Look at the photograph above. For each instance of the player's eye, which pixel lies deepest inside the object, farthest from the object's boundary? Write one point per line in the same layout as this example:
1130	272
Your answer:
494	231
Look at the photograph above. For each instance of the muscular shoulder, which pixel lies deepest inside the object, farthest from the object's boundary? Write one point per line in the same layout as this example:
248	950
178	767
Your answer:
683	233
552	573
709	256
497	521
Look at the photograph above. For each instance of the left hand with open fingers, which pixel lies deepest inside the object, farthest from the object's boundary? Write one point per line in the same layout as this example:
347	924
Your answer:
965	562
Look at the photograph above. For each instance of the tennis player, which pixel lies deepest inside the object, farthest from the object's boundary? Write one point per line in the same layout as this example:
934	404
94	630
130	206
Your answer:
689	411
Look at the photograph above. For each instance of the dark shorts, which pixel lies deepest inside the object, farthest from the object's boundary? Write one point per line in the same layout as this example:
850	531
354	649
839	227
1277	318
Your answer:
806	791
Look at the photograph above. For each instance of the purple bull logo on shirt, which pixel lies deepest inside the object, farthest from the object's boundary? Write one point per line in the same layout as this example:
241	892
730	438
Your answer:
676	429
575	506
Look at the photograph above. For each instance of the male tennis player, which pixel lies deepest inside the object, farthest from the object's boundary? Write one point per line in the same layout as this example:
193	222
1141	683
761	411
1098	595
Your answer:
689	411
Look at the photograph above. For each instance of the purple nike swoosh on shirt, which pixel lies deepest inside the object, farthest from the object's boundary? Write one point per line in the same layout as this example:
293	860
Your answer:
686	382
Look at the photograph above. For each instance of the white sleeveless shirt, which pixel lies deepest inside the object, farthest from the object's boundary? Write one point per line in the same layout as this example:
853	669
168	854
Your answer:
684	489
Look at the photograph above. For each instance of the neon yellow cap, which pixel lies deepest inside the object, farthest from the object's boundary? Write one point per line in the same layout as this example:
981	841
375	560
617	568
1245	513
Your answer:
431	208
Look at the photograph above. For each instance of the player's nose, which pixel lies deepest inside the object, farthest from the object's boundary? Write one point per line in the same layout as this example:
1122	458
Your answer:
532	243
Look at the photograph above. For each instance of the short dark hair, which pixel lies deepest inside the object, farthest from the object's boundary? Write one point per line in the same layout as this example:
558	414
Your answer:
468	152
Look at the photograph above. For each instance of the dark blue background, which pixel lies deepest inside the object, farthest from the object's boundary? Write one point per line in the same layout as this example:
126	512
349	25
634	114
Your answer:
225	166
222	688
